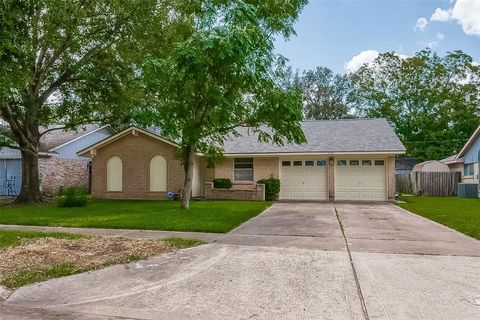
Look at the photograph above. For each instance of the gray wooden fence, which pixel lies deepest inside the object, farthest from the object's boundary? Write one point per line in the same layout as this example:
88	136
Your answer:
428	183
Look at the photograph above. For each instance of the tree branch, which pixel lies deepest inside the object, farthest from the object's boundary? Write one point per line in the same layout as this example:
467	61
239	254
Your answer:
52	129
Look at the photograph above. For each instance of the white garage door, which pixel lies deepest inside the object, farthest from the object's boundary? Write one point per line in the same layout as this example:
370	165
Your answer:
360	180
303	179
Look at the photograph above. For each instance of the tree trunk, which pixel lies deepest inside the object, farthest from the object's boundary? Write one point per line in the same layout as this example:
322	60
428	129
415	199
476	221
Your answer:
30	191
188	166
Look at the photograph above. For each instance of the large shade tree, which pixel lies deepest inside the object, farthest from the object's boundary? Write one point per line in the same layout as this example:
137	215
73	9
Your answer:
432	101
222	76
325	94
73	62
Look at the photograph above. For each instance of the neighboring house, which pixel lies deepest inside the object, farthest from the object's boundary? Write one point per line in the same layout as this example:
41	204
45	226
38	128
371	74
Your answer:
470	154
454	164
404	165
431	166
342	160
59	164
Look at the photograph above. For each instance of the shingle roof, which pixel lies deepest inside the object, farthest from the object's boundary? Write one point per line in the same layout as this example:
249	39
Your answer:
55	138
325	136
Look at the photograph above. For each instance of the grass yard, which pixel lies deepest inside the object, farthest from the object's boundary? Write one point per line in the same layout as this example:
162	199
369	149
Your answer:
460	214
15	238
203	216
27	257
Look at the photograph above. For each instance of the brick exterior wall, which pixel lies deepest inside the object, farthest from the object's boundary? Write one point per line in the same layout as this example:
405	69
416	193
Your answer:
391	177
56	173
224	169
265	168
136	153
257	193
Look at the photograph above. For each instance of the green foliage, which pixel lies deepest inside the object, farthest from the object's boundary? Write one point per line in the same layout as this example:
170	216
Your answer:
325	94
28	276
272	188
203	216
73	197
222	75
462	215
10	238
224	183
180	243
433	102
74	62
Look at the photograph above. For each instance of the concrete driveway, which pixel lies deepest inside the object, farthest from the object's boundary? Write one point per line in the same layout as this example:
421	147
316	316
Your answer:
291	262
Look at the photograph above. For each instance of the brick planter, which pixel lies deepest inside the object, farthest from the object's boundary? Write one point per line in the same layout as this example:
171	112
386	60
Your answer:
257	193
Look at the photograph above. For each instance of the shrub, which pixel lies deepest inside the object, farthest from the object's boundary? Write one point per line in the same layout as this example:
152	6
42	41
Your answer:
272	188
73	197
223	183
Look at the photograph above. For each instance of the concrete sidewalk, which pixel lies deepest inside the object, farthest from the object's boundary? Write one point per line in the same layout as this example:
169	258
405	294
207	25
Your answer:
137	234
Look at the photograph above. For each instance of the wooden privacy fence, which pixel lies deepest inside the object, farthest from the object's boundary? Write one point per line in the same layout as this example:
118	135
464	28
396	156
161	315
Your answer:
428	183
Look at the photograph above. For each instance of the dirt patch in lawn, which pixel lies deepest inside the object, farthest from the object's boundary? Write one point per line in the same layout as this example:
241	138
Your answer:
44	258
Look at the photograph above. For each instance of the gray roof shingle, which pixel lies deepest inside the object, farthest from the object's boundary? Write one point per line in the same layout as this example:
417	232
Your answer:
325	136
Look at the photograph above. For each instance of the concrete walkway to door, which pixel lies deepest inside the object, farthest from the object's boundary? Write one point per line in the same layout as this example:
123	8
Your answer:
294	261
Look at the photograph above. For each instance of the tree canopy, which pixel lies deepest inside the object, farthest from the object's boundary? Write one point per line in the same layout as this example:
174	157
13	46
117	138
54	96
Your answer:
73	62
325	94
223	75
432	101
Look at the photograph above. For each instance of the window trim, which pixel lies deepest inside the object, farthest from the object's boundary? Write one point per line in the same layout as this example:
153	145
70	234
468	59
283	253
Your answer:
472	172
234	169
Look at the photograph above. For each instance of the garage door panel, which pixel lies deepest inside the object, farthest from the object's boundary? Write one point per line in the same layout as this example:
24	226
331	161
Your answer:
360	182
303	182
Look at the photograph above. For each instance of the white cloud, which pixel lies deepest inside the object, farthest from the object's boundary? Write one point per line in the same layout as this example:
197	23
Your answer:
364	57
465	12
439	37
441	15
421	24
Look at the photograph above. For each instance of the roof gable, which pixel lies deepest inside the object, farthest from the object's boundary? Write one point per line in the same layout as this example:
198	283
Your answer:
131	130
471	141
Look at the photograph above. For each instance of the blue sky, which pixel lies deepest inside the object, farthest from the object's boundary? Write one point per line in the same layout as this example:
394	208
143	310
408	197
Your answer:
331	32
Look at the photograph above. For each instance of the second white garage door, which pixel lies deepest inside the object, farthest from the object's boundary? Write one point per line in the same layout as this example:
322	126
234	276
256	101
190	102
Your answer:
360	180
303	179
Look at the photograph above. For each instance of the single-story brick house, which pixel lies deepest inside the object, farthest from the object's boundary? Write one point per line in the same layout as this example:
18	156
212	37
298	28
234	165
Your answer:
341	160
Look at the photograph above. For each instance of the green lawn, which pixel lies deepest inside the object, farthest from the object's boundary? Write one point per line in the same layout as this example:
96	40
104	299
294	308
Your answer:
12	238
203	216
460	214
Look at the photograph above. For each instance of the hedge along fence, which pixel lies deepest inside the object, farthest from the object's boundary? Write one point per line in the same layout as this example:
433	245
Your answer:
428	183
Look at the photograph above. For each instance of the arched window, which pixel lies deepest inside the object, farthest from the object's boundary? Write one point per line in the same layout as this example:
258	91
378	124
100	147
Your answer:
158	174
114	174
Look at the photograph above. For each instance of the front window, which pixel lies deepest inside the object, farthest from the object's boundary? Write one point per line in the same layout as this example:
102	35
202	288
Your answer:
468	169
243	169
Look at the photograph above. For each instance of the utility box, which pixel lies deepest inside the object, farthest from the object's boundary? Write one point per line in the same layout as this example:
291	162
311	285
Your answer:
468	190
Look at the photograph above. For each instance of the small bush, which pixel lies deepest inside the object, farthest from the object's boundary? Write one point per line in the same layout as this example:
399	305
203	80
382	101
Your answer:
223	183
73	197
272	188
